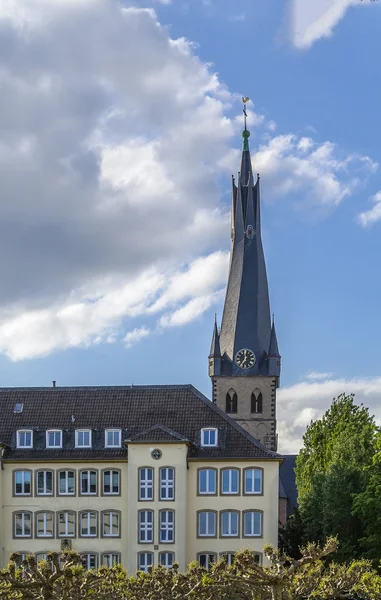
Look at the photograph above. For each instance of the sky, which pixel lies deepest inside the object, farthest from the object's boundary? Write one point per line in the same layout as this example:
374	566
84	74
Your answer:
120	129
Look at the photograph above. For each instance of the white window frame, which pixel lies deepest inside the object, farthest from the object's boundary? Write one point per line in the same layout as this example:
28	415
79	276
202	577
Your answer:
146	483
209	515
166	559
167	527
208	562
88	473
23	492
44	493
229	514
167	483
44	515
39	556
146	527
66	514
24	432
111	514
229	557
85	519
229	474
77	434
54	432
208	491
252	491
110	559
205	437
147	562
252	513
113	431
66	471
111	493
86	557
23	514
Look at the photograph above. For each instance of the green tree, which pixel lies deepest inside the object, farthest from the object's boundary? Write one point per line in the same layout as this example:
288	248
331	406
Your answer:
367	507
331	470
283	578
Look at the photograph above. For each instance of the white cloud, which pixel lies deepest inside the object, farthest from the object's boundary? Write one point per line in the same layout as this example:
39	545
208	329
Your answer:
113	140
299	403
371	216
290	164
134	336
311	21
316	375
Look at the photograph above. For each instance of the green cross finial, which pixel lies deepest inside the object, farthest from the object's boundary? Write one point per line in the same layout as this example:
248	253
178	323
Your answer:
246	132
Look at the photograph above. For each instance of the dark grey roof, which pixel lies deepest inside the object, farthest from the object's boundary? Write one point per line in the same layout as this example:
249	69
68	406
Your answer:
273	349
158	433
287	475
215	349
175	410
246	317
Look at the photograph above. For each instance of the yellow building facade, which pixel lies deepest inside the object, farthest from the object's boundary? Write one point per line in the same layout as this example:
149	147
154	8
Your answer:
163	495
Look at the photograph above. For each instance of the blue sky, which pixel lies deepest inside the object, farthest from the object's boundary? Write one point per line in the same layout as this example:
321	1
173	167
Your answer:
120	129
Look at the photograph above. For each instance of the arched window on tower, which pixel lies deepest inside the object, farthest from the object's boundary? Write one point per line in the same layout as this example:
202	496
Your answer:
231	402
256	402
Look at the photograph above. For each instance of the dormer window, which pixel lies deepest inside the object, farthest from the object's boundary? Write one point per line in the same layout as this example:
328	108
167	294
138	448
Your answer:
112	438
25	438
209	437
83	438
54	438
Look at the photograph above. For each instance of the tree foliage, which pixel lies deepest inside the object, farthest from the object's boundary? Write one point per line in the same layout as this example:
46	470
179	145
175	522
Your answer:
331	470
283	578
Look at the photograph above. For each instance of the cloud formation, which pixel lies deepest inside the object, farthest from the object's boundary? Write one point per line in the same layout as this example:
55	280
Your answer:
312	21
305	401
371	216
113	140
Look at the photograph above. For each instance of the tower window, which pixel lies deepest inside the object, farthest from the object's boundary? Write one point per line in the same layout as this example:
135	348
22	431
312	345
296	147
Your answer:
231	402
256	402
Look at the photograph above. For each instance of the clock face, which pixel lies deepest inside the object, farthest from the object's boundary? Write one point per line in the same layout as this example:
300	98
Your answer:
245	358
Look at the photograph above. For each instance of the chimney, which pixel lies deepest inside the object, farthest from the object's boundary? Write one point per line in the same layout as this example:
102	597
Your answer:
54	383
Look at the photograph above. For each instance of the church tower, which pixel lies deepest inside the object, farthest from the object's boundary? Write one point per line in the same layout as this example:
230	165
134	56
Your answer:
244	360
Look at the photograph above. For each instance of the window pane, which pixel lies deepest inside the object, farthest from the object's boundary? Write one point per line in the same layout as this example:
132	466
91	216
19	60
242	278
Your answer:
146	484
253	481
167	559
253	523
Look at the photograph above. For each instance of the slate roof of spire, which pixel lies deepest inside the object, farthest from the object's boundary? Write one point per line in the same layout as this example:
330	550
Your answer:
215	349
273	349
140	411
246	317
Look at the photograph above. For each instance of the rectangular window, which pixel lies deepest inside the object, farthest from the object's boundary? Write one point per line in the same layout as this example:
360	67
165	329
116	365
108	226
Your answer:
22	524
253	481
229	524
145	560
112	438
88	525
206	560
207	524
110	559
111	524
167	526
252	524
66	524
83	438
40	556
230	481
25	438
229	557
145	484
111	482
54	439
167	483
145	526
66	483
44	524
89	561
207	481
166	559
23	483
209	437
88	482
44	483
